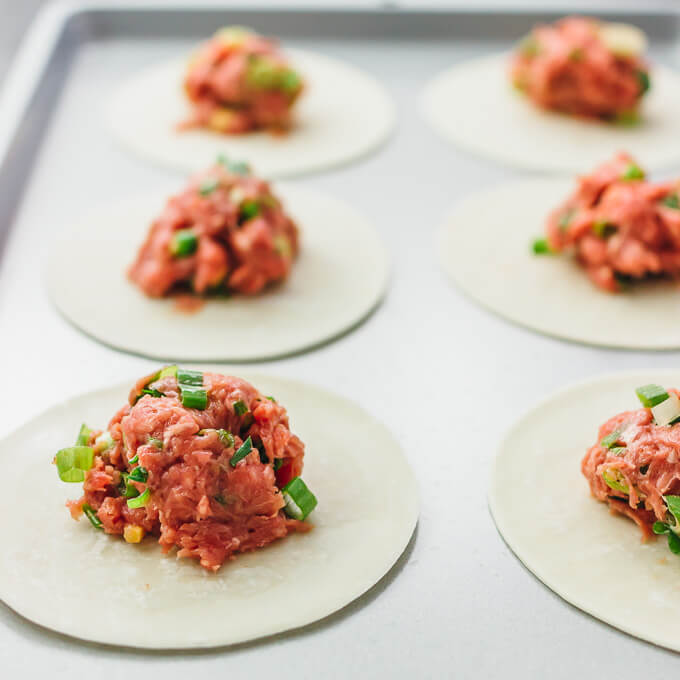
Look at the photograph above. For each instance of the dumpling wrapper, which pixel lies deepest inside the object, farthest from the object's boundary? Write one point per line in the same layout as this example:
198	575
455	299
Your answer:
71	578
542	507
485	247
338	278
474	105
342	115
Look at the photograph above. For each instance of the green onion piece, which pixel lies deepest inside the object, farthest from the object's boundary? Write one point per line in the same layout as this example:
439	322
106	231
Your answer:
140	501
615	480
83	435
240	407
660	528
651	395
300	501
633	172
134	459
227	438
167	372
576	54
271	399
193	397
185	377
618	451
128	490
540	247
156	443
610	440
235	167
643	80
139	474
603	228
289	81
92	516
151	392
249	208
673	505
278	462
183	243
73	462
208	185
242	452
673	543
671	201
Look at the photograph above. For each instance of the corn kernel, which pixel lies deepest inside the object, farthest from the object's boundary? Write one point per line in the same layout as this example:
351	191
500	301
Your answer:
133	533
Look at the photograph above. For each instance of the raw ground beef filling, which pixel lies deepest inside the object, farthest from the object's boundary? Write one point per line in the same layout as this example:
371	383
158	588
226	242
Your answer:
200	499
225	233
575	67
238	81
621	227
635	465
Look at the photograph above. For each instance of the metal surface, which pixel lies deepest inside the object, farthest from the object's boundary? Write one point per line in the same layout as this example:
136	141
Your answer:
445	376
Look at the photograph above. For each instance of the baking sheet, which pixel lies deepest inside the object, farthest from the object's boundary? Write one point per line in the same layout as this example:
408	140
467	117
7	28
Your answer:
427	364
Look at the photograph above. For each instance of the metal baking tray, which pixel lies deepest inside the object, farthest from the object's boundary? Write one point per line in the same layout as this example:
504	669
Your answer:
447	377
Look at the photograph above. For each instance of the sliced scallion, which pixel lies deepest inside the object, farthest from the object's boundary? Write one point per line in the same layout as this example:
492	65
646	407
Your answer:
633	172
138	474
156	443
671	201
240	407
92	516
167	372
248	209
134	459
300	501
208	185
73	462
617	450
185	377
126	489
242	452
651	395
140	501
643	80
83	435
183	243
227	438
615	480
193	397
540	247
611	439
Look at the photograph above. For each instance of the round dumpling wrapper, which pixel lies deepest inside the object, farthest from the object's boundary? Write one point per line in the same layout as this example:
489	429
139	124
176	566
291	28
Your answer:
342	115
474	105
73	579
338	278
542	506
485	247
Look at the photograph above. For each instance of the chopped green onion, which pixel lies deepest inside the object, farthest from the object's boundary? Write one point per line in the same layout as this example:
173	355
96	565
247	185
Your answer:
617	450
193	397
134	459
208	185
289	81
151	392
540	247
167	372
140	501
610	440
240	407
92	516
633	172
576	54
189	377
184	242
227	438
73	462
651	395
126	489
278	462
300	501
139	474
671	201
242	452
643	79
271	399
603	228
83	435
249	208
235	167
615	480
156	443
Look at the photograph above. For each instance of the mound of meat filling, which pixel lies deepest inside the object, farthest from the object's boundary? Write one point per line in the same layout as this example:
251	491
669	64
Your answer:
583	67
238	82
225	233
635	464
621	227
203	461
